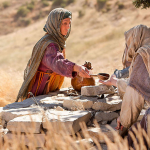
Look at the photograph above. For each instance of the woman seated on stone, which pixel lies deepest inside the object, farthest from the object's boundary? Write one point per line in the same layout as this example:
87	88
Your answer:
47	66
136	90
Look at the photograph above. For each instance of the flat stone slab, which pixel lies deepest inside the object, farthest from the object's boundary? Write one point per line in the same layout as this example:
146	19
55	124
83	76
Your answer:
38	140
78	104
68	119
103	116
27	124
104	130
62	98
99	133
42	100
108	104
10	114
97	90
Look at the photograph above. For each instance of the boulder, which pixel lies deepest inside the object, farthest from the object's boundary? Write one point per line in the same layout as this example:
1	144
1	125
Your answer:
97	90
78	104
27	124
103	130
68	119
10	114
108	104
42	100
103	116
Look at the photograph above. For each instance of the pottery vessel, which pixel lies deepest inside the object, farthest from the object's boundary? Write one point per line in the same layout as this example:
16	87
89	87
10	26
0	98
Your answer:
78	81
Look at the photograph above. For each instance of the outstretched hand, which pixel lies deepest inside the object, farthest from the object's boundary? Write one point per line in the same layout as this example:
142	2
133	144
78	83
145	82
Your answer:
111	81
82	71
119	126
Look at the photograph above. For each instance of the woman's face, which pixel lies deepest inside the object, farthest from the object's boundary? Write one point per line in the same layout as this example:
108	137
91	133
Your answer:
65	26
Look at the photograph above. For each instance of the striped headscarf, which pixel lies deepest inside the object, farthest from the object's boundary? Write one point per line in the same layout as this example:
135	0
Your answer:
52	27
53	23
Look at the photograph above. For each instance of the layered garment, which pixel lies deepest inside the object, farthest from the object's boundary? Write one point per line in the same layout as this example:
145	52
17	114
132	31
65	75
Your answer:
39	70
137	89
144	125
50	74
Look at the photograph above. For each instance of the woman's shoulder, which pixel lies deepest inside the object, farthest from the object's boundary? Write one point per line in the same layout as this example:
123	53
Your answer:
53	46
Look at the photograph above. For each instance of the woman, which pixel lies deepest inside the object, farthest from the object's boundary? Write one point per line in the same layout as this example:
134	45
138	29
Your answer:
47	66
136	90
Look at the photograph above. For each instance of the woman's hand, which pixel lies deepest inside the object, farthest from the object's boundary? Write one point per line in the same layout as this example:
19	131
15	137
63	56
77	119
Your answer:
111	81
119	126
82	71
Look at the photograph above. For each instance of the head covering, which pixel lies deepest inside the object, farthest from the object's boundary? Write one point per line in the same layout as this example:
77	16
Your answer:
53	24
137	42
138	53
52	27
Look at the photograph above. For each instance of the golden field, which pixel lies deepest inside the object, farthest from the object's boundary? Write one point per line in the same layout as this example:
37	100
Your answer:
96	36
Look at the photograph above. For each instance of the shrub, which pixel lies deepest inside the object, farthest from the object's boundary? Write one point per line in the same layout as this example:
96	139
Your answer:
101	3
45	3
22	12
70	1
32	2
5	4
104	10
24	21
62	3
108	6
120	5
57	2
39	15
81	13
141	3
31	5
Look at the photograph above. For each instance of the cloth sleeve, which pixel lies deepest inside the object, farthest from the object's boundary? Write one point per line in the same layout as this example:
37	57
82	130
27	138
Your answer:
132	105
122	73
121	86
55	61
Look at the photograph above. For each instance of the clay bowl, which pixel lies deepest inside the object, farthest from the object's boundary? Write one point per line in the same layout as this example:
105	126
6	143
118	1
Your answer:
102	76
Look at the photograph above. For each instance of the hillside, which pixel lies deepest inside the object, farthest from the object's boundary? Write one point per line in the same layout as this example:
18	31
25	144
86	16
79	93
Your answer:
96	36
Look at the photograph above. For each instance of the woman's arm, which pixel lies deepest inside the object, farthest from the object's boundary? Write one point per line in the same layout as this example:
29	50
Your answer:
82	71
55	61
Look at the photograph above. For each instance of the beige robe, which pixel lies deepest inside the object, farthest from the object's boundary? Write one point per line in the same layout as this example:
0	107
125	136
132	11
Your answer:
137	90
132	104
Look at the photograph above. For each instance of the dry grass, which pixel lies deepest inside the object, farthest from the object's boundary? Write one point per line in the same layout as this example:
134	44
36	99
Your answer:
9	87
62	141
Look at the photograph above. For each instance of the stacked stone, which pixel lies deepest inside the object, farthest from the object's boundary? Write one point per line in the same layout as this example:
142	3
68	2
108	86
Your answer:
32	115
